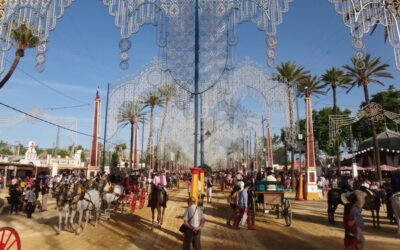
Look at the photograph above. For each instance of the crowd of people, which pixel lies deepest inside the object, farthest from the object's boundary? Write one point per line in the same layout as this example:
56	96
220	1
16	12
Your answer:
24	194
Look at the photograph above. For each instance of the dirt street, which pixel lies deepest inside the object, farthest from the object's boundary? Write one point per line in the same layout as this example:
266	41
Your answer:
309	230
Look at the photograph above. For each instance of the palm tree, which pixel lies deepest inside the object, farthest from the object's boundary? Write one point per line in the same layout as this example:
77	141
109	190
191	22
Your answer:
23	38
130	113
290	74
335	78
152	99
361	73
311	85
235	150
168	92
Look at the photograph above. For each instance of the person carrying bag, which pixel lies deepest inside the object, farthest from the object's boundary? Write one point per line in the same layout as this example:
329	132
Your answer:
193	225
183	227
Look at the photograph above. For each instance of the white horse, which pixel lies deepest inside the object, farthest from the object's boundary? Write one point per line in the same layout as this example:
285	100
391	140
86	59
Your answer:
113	197
90	202
63	194
395	200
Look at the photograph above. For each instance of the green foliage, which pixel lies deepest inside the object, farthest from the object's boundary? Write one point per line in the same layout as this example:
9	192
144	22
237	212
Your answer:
4	148
39	151
5	151
280	156
321	129
83	156
63	153
365	71
114	159
24	38
207	169
22	149
311	85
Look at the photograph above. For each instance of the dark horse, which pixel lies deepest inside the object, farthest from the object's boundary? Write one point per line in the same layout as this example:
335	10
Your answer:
158	200
372	203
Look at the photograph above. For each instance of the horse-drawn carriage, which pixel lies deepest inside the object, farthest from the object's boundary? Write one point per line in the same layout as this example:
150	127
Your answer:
129	191
264	199
136	190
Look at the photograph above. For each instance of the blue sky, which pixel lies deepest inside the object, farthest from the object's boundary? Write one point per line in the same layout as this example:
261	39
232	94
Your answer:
83	55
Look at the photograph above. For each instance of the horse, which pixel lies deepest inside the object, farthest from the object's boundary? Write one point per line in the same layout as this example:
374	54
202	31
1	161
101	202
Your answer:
372	203
90	201
395	201
333	198
114	197
63	194
156	202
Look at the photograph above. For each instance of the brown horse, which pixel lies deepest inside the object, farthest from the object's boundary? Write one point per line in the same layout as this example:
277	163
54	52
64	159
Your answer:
158	200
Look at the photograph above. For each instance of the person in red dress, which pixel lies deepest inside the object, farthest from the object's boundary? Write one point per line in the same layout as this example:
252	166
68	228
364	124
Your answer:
350	227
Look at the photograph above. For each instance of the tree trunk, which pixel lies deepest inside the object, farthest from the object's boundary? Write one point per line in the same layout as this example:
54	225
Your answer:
150	143
374	139
135	158
337	140
293	182
131	146
162	129
11	71
292	133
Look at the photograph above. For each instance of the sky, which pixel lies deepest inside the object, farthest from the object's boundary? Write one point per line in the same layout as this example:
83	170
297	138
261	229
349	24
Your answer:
83	56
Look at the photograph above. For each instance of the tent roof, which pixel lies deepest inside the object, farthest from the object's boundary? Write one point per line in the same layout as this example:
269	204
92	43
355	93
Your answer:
387	140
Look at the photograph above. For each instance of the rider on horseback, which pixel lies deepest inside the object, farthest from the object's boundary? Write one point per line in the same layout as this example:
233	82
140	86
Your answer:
160	182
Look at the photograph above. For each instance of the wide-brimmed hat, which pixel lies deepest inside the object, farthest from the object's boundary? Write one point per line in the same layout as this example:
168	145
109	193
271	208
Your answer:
344	197
348	197
360	194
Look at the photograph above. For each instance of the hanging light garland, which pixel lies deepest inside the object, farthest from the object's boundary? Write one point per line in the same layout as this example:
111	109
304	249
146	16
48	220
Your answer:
361	15
40	16
174	19
219	21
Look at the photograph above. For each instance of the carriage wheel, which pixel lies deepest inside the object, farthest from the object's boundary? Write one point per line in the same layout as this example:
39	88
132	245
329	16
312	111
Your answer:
142	198
287	212
133	203
9	239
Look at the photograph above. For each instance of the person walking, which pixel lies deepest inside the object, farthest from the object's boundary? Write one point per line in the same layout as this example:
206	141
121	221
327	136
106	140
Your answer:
233	201
350	227
194	220
15	194
45	191
243	207
209	186
30	198
357	217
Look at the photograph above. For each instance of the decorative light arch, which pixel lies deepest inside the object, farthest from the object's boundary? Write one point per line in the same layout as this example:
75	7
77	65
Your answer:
40	16
361	15
247	80
175	21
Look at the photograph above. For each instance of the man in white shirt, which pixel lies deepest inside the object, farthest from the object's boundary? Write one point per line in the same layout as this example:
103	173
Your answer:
194	219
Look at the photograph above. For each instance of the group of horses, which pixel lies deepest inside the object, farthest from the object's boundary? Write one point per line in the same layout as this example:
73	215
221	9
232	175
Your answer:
72	198
93	196
373	202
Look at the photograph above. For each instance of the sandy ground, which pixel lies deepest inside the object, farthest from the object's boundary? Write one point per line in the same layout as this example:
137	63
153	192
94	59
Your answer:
309	229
